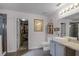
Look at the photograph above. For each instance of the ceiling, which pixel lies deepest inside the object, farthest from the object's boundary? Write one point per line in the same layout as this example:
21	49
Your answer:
73	16
37	8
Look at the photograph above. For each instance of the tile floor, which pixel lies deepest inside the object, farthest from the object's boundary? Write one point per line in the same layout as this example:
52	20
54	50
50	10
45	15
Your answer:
37	52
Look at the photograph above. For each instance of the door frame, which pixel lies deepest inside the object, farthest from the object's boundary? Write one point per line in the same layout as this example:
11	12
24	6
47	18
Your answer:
18	32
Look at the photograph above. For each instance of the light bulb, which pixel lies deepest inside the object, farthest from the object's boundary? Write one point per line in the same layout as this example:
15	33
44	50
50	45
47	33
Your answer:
76	5
23	19
38	24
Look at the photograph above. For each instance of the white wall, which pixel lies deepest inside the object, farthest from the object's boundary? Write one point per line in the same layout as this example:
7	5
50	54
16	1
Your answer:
0	45
56	20
35	38
57	23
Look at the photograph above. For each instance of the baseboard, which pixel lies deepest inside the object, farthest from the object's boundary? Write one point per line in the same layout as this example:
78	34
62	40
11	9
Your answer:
4	53
34	48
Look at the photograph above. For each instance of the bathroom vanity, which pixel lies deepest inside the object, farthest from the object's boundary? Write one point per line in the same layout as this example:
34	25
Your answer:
64	46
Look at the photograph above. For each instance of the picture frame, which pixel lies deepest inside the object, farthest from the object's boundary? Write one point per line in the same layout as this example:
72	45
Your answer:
38	25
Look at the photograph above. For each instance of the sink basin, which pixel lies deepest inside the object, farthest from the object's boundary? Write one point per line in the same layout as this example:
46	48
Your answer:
67	39
74	41
63	39
70	38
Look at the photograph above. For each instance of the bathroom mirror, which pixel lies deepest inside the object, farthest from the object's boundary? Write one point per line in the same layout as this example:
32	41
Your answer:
63	29
74	29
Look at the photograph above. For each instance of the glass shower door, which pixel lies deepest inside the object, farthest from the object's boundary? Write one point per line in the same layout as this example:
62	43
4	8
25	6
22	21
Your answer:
3	32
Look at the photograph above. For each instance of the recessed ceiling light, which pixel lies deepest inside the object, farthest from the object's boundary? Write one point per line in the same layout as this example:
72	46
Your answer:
23	19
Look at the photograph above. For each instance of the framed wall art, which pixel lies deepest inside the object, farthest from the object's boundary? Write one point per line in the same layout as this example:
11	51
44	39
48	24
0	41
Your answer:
38	25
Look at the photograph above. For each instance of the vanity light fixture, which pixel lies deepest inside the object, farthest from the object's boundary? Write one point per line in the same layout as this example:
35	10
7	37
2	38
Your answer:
67	9
60	13
63	11
70	7
76	5
73	6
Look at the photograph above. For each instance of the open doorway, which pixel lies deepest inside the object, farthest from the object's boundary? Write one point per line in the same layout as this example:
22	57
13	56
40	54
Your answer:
23	36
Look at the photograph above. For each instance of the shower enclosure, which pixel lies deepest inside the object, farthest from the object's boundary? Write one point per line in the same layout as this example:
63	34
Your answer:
3	32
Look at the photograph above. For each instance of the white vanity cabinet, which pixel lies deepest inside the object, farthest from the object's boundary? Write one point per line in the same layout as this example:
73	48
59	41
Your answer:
56	49
52	48
63	47
60	50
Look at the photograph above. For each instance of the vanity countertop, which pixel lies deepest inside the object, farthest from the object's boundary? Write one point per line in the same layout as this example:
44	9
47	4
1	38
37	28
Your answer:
64	41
